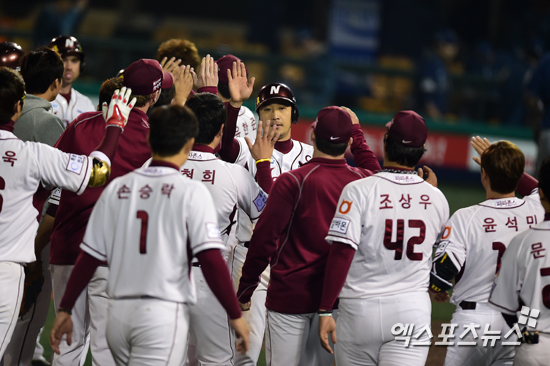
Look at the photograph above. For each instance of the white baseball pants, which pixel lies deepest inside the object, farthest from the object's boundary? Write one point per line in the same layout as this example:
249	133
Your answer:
255	317
89	317
293	339
209	329
479	355
148	332
24	342
364	326
12	280
534	354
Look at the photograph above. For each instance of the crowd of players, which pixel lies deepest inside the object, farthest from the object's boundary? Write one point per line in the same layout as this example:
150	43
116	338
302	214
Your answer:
159	244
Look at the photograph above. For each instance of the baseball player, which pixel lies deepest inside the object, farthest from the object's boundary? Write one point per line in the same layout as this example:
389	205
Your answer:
523	281
472	245
147	226
235	193
69	103
246	123
379	262
300	200
10	55
26	165
146	78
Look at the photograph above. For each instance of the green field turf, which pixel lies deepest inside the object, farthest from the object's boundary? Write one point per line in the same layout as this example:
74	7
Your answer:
458	197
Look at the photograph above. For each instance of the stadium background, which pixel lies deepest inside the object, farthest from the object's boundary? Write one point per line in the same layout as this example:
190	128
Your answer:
365	54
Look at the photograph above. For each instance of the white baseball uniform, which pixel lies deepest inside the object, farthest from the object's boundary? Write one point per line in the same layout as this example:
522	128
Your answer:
392	220
145	225
524	279
256	316
68	111
475	238
246	124
24	166
235	194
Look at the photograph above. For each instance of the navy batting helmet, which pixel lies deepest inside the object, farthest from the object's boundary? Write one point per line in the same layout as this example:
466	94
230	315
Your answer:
10	55
277	92
68	45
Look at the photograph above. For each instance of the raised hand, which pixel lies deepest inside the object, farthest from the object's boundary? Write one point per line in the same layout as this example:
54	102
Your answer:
184	84
480	145
171	66
266	137
430	178
240	88
354	118
208	73
117	112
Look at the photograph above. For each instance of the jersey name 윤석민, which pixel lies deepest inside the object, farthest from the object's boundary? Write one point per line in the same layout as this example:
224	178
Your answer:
391	220
476	237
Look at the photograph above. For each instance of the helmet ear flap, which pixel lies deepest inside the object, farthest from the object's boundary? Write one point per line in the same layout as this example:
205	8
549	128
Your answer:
295	114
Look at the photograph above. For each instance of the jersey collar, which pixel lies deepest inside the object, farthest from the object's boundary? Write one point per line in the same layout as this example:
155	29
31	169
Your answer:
7	126
203	148
284	146
503	203
163	163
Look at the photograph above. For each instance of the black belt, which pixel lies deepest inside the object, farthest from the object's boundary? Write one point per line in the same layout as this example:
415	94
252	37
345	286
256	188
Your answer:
467	305
196	264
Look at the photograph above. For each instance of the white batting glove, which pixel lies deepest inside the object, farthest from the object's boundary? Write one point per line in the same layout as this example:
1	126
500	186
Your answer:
117	112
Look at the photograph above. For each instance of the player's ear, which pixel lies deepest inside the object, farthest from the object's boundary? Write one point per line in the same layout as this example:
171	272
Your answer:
350	141
220	132
312	135
188	145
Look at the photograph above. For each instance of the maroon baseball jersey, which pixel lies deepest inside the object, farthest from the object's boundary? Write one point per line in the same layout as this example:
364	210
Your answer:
290	235
81	137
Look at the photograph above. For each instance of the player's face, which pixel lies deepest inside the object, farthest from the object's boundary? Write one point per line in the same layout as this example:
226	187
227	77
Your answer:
72	69
280	116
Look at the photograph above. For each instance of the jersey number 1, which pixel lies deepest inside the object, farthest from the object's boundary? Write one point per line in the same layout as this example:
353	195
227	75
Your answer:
397	245
546	289
144	217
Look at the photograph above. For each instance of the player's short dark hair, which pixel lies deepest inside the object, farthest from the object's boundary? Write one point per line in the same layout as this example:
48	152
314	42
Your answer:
12	90
223	90
181	49
166	96
40	69
402	155
329	148
107	89
210	112
171	127
544	178
504	163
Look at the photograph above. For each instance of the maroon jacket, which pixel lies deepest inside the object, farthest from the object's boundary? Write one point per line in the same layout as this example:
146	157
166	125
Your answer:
290	235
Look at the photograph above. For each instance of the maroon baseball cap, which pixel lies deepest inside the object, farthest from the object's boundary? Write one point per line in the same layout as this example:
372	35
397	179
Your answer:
145	77
333	124
226	63
408	128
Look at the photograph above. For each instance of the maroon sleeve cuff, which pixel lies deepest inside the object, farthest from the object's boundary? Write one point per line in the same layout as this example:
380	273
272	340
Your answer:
217	276
263	176
109	144
526	185
81	274
230	147
362	154
338	263
208	89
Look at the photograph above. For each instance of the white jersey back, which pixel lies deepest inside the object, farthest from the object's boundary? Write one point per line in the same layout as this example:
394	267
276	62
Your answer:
280	163
392	221
147	225
524	276
78	104
246	124
476	237
231	187
24	166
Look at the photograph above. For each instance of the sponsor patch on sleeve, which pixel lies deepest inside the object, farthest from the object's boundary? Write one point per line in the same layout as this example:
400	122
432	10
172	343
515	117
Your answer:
260	200
212	231
76	162
339	225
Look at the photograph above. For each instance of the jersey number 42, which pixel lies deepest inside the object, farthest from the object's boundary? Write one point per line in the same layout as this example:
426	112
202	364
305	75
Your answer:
397	245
